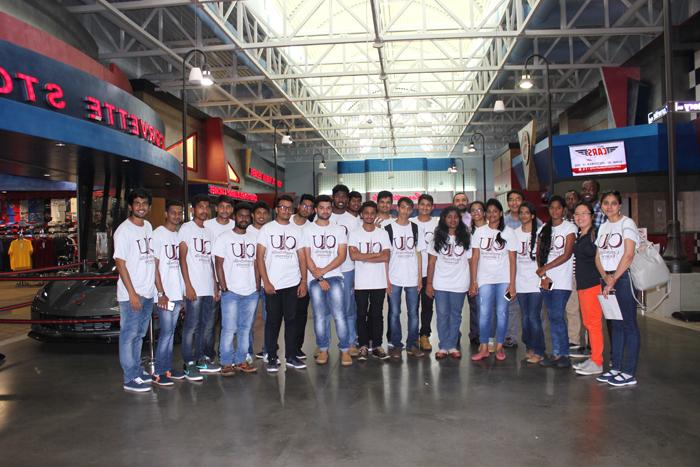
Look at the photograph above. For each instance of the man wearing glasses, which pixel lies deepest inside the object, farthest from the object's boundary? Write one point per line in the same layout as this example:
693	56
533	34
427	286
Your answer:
283	272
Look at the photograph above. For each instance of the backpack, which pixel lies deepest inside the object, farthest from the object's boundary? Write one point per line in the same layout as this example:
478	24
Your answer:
414	228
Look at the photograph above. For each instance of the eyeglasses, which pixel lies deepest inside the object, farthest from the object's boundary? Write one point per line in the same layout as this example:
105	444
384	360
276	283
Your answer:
477	210
284	208
306	206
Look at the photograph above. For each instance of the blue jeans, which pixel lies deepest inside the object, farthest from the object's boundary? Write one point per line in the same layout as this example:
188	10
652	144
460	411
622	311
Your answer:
167	321
492	301
325	305
395	315
531	310
448	307
132	328
555	301
198	328
264	318
625	332
350	305
237	314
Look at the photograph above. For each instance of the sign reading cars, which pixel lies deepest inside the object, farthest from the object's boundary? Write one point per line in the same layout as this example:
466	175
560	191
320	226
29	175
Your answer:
598	158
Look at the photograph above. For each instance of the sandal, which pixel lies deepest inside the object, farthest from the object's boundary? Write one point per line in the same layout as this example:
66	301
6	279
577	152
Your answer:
456	354
480	356
441	355
500	355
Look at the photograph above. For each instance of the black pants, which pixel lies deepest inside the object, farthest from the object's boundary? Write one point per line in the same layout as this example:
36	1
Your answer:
388	318
426	310
370	321
300	319
474	320
281	305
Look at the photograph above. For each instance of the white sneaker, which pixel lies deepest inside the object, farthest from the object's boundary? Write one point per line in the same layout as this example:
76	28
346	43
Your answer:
589	367
578	365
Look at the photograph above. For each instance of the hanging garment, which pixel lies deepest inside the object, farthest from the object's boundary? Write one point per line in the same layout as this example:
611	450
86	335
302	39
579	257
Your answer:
20	253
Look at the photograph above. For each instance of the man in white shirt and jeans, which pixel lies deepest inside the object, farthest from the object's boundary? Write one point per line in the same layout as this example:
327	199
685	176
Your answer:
283	271
133	255
201	292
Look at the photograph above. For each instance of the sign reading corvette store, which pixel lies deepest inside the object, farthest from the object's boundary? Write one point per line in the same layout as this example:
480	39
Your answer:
598	159
40	81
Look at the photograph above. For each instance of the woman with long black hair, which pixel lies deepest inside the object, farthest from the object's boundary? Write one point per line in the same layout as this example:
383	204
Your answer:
555	247
478	211
527	284
493	276
448	278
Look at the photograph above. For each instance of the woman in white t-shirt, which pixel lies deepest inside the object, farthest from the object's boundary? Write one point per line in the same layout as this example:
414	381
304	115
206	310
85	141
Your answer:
493	276
617	242
555	248
527	284
448	278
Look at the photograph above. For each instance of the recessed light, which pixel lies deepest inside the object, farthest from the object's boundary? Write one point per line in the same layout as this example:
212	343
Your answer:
60	145
156	173
125	160
47	175
3	191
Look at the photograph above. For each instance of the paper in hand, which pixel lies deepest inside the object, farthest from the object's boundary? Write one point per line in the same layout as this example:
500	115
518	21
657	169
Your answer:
610	306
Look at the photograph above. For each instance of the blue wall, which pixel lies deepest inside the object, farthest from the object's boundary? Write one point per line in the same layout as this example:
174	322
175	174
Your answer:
398	165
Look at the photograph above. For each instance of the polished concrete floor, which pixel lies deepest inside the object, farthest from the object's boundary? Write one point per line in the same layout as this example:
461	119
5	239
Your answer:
61	404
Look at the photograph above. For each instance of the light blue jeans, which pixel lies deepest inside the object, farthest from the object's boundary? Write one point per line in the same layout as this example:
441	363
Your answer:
350	305
237	314
395	315
132	329
167	321
448	307
492	302
325	305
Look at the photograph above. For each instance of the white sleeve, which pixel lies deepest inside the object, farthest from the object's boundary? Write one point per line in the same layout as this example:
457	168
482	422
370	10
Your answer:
120	245
219	247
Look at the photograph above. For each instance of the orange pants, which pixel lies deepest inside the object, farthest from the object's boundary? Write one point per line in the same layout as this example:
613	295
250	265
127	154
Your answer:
592	315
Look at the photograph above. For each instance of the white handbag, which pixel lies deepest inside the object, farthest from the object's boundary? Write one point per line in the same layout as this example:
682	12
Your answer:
649	271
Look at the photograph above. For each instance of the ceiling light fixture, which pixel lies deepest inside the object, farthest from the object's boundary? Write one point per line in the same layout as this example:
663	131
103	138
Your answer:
287	139
526	81
378	44
499	106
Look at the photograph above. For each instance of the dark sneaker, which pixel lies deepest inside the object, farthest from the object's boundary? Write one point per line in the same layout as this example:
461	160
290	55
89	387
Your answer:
192	372
135	385
379	353
363	354
245	367
273	366
228	370
295	363
175	374
549	361
146	378
563	362
162	380
206	366
607	376
510	343
395	353
415	352
301	355
261	355
621	381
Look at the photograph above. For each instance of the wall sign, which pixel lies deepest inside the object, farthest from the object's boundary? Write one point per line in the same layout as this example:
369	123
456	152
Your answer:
598	158
263	177
235	194
37	80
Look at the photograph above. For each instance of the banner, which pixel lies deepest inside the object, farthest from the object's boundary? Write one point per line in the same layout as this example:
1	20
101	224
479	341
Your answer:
598	159
526	138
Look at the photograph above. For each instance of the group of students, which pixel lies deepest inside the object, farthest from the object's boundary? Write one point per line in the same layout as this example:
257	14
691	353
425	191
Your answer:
345	257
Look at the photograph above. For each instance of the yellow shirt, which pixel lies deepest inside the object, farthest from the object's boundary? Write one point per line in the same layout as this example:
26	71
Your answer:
20	254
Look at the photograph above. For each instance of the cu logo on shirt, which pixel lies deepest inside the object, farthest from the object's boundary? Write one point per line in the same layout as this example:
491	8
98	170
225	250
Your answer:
524	249
428	238
170	251
490	244
243	250
145	247
202	246
452	250
325	242
282	242
404	243
369	247
609	241
558	242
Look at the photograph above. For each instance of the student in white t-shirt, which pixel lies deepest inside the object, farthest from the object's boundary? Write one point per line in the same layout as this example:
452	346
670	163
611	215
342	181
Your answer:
343	217
260	217
222	222
617	241
448	278
282	268
384	201
493	271
370	249
555	248
527	283
405	274
171	291
133	255
305	209
201	292
234	255
325	248
427	224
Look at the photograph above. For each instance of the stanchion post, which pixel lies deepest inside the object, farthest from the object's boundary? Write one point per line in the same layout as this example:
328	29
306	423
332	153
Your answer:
151	360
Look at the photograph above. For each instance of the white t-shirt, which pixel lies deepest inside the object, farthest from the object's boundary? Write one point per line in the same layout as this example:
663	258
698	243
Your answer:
526	279
238	252
611	241
166	249
369	276
451	267
199	261
302	226
134	245
385	222
216	229
350	223
494	266
323	243
563	275
428	228
281	243
403	263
